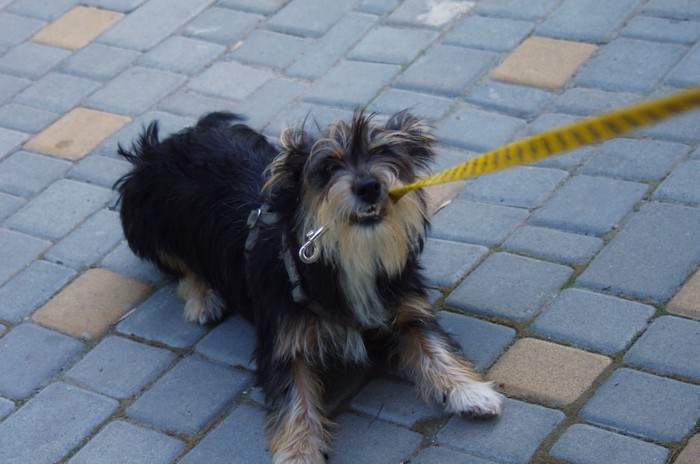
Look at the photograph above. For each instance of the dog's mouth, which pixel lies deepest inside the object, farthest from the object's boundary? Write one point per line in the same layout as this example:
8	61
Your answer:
370	215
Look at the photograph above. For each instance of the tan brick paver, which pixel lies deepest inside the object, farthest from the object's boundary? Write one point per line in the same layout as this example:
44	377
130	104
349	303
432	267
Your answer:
553	374
691	452
76	133
543	62
93	302
77	28
687	300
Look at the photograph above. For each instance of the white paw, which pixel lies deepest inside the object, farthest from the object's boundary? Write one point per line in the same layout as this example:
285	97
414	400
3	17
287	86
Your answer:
204	310
477	400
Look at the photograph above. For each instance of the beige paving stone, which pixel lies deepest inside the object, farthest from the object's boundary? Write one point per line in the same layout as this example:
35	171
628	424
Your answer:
90	304
76	133
691	452
543	62
77	28
546	372
687	300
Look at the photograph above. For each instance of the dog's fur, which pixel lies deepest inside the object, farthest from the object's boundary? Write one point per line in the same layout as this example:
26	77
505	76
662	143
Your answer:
184	207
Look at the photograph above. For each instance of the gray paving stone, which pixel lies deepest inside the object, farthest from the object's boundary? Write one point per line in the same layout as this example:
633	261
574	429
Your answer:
629	65
477	130
25	118
533	10
685	73
324	53
314	114
309	17
593	321
9	140
26	174
125	6
181	55
583	444
135	90
222	25
58	209
645	405
31	288
481	341
30	355
587	20
395	402
569	161
426	13
678	9
695	155
151	23
256	6
642	260
6	407
586	102
360	439
119	367
17	251
589	205
517	100
98	61
669	345
638	160
269	100
435	454
525	187
512	438
662	30
89	242
172	405
428	107
378	7
99	170
57	92
351	84
446	70
231	342
126	443
270	49
386	44
193	104
682	185
39	9
123	261
553	245
509	286
31	60
547	121
246	424
478	223
160	318
16	29
446	262
10	86
230	80
52	423
485	33
9	204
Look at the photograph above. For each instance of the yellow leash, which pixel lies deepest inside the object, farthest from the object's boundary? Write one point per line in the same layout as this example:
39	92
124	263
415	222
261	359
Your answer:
562	139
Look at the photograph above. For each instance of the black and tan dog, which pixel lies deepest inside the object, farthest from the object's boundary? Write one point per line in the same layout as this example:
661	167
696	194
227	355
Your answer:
304	242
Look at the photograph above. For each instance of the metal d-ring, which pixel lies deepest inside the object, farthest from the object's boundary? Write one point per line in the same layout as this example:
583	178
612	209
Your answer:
310	251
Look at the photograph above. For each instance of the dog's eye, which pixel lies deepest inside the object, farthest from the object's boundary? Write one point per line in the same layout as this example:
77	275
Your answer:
331	168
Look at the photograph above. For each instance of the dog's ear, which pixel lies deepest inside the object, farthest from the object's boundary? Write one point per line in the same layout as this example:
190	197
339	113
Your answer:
415	132
285	171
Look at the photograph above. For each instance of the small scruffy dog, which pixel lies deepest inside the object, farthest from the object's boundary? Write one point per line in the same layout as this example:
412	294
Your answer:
306	243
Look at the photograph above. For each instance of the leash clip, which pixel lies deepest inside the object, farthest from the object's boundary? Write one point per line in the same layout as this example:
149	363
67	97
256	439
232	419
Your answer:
310	251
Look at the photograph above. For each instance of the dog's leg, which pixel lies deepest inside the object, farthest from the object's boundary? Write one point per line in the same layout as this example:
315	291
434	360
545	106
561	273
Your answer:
297	429
202	304
440	372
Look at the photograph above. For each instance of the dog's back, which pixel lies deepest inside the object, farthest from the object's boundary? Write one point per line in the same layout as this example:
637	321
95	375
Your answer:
203	180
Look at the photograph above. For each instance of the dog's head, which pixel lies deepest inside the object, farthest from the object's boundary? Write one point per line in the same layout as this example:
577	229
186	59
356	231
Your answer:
341	181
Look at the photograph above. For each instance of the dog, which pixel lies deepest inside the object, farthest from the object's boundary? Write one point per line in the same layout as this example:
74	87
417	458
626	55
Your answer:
305	242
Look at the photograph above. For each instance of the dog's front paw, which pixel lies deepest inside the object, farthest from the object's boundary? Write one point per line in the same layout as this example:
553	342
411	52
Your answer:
309	457
475	400
207	308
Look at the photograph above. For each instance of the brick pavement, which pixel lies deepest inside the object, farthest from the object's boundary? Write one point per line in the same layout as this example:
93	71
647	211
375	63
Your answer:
573	283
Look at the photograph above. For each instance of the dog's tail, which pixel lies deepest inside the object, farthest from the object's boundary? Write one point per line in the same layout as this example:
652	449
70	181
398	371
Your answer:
219	120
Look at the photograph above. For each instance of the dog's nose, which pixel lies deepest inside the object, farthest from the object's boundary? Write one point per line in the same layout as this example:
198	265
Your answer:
368	190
